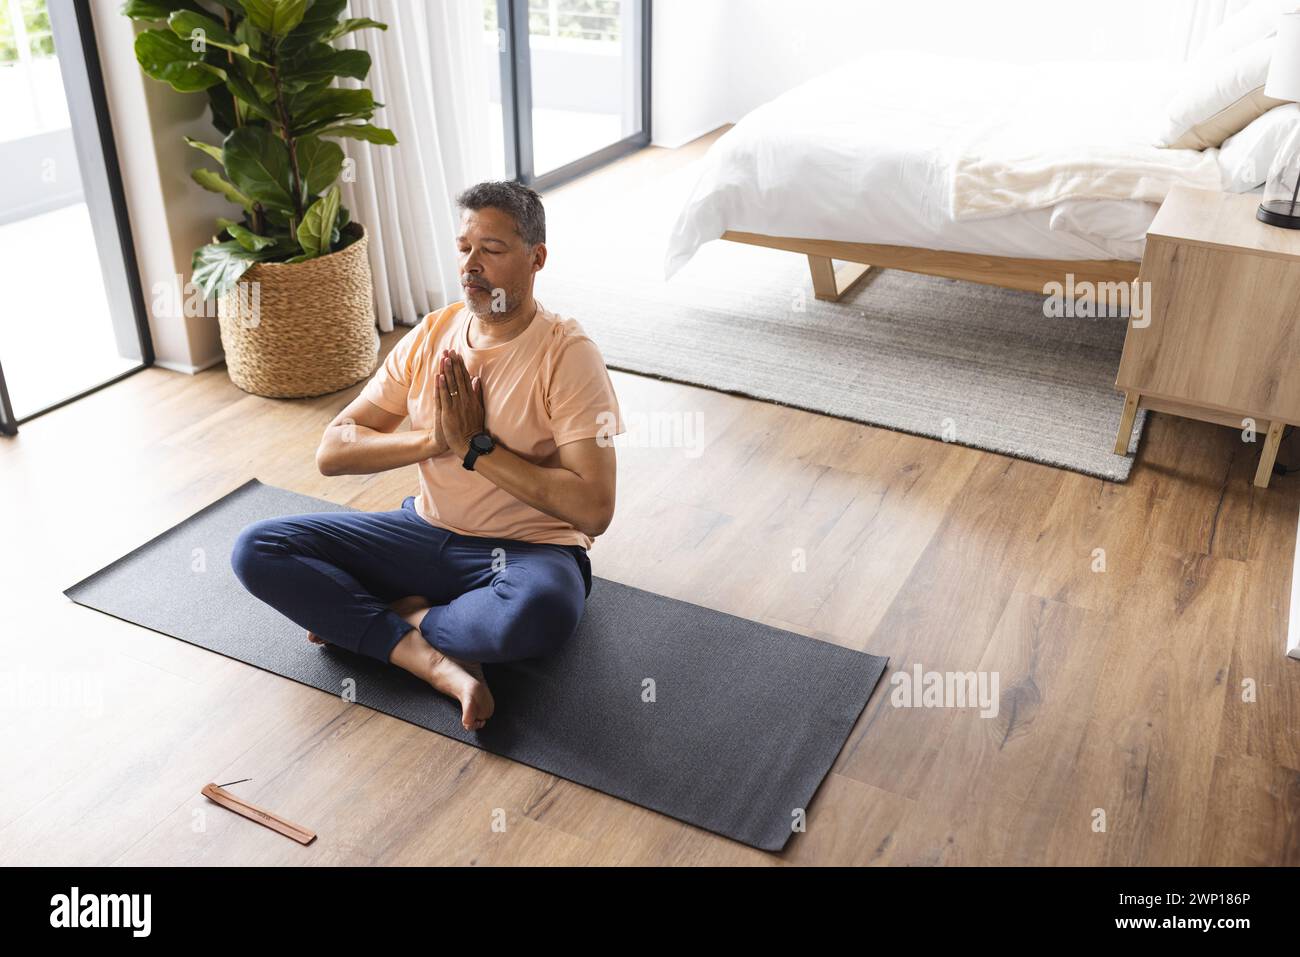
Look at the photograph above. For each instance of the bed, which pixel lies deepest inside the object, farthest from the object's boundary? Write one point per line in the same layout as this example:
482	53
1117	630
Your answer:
1010	174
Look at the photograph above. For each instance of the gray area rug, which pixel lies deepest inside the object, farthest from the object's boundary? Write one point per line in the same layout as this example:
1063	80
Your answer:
746	718
957	361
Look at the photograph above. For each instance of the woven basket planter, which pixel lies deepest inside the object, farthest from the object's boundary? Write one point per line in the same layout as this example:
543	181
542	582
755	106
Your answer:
306	329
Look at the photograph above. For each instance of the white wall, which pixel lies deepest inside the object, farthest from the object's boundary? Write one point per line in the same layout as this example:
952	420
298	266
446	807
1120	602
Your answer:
715	60
691	54
170	215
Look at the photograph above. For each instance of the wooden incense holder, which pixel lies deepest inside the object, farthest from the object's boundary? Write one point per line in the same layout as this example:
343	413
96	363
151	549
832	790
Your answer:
262	816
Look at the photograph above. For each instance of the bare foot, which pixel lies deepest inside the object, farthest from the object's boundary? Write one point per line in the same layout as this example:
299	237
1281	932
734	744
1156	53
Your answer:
315	639
462	680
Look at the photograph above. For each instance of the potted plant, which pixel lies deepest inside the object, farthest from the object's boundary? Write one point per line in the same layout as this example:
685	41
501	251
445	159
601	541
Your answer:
291	273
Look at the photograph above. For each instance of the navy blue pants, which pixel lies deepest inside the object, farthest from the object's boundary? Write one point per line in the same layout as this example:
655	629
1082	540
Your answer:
334	573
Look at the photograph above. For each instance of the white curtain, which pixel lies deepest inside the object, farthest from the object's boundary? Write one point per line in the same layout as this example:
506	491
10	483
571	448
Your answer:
428	71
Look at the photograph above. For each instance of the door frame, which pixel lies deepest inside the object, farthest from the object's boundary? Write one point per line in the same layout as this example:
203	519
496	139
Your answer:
83	81
517	102
8	424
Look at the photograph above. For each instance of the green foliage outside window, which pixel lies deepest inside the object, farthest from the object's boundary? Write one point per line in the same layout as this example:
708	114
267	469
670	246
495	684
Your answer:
36	24
574	19
37	20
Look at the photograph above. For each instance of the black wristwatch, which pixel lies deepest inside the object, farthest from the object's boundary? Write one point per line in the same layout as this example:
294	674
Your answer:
479	444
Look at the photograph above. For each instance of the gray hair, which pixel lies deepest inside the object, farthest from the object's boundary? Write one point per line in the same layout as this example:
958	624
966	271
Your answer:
522	203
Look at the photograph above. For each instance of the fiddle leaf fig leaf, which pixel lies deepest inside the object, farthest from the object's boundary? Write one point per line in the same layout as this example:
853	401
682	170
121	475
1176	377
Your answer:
213	151
200	31
165	56
249	239
317	226
276	17
216	183
154	9
319	163
347	26
218	266
257	162
361	131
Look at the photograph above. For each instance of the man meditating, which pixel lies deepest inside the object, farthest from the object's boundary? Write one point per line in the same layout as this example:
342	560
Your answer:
512	413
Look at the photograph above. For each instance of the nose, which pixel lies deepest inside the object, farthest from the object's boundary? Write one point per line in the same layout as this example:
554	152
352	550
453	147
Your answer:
471	267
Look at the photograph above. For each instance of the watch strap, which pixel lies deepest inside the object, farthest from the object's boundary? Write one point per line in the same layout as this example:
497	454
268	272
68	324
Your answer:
472	455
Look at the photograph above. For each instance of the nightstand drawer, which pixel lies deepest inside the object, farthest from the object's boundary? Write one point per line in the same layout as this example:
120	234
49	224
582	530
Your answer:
1215	334
1222	329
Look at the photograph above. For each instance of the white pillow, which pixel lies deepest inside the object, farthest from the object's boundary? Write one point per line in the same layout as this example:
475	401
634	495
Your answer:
1245	157
1218	98
1222	88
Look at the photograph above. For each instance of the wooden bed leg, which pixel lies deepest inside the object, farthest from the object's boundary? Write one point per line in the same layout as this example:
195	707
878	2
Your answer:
830	284
1126	422
1269	454
823	277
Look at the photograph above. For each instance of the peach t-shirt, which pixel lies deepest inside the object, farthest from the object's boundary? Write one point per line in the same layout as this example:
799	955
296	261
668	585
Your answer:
543	388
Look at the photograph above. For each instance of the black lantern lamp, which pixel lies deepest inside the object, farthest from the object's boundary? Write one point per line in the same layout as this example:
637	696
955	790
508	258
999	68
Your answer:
1281	205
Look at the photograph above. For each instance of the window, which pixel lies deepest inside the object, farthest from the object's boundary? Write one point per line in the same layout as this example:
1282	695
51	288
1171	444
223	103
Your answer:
74	317
571	80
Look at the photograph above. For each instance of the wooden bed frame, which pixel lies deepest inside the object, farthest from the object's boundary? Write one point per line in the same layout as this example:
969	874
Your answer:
1029	275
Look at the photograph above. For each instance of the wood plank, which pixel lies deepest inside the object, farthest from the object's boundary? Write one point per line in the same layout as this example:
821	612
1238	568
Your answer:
1238	419
1030	275
999	780
1224	221
945	614
1145	763
1250	819
830	283
1268	455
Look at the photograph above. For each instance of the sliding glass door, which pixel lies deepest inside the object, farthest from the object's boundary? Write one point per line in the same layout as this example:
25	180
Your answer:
572	82
73	317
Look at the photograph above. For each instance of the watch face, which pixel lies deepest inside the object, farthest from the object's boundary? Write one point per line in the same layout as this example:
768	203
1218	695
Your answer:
481	443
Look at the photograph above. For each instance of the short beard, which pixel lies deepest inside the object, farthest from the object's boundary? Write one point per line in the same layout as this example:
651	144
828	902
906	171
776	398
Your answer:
485	311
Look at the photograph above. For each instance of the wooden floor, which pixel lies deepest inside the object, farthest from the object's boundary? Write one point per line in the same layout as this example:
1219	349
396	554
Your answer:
1121	690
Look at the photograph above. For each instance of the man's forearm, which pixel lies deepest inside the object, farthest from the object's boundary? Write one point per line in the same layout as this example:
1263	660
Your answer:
356	450
558	492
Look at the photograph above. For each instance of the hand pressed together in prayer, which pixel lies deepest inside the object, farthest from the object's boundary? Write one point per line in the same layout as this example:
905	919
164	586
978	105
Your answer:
459	402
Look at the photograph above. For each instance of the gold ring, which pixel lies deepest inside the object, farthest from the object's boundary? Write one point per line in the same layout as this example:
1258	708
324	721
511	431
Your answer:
455	393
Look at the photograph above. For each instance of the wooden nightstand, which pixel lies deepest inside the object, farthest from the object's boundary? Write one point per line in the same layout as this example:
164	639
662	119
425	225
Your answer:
1218	335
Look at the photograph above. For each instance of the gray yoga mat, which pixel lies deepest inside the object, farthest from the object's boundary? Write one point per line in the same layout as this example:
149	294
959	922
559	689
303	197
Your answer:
746	718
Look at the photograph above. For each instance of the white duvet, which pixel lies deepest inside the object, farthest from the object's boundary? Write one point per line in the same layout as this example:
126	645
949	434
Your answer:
909	149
